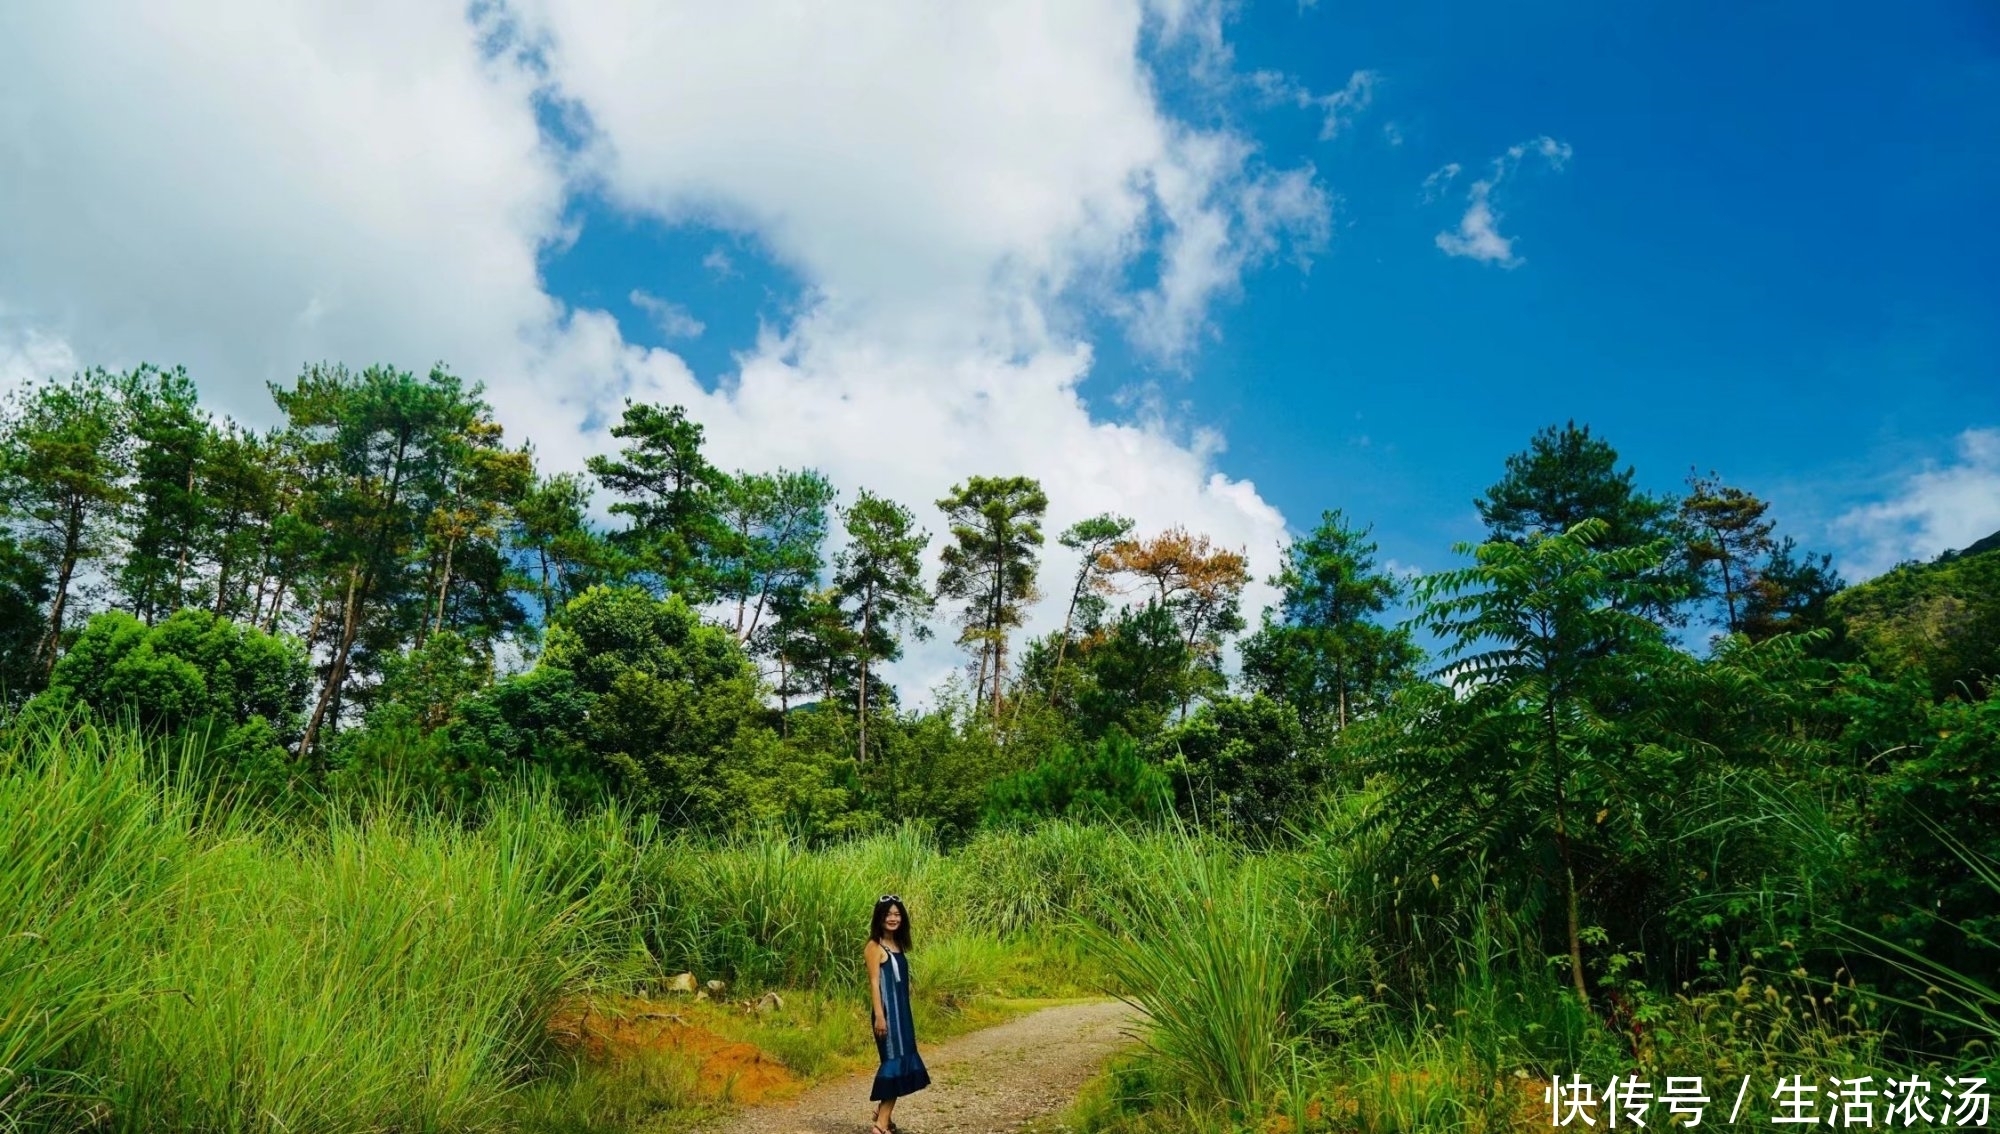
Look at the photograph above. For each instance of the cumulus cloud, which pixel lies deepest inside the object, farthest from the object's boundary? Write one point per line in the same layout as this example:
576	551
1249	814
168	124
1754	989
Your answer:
1938	507
1478	235
241	186
28	354
959	187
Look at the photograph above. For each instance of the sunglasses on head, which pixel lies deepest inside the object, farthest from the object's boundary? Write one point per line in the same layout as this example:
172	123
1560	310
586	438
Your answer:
888	898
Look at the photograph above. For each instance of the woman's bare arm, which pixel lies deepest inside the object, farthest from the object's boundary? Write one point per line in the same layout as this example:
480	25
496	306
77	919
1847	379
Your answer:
875	955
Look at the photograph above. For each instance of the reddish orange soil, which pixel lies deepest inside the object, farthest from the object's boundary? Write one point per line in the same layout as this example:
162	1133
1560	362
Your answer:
728	1069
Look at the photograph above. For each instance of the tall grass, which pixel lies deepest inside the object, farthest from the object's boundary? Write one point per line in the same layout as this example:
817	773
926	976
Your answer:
92	862
169	964
1206	950
769	911
394	973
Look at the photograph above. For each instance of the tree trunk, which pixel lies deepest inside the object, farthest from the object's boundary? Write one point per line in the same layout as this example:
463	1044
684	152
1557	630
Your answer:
1340	679
861	748
72	540
994	621
257	599
784	698
181	556
337	671
757	613
1562	845
444	587
999	668
222	566
277	607
546	593
979	680
1728	594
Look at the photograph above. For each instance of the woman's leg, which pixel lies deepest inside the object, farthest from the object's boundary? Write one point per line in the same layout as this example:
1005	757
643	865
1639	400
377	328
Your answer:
883	1110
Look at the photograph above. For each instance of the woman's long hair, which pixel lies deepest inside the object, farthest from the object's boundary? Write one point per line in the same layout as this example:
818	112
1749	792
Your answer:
877	929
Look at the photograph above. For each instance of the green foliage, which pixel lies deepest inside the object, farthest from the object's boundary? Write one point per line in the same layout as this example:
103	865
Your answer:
878	577
1564	477
1107	779
933	767
233	687
65	450
1530	753
169	509
776	527
424	687
1726	532
1567	476
1243	765
1091	539
387	454
674	711
24	588
1941	619
551	528
1137	674
1319	650
1936	809
996	529
1790	593
90	858
532	725
1207	950
389	973
672	495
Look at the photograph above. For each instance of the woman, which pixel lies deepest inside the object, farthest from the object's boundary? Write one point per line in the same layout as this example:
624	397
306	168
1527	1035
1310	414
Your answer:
888	957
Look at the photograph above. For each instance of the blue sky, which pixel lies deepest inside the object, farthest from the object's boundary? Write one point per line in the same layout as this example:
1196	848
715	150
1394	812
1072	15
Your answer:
1768	254
1201	262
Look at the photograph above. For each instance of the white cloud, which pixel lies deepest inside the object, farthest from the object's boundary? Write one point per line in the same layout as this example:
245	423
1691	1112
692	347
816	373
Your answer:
244	185
1937	508
673	320
1478	234
718	261
1337	110
28	355
1440	180
958	186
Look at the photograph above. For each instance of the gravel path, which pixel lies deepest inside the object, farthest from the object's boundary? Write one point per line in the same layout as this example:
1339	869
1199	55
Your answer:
987	1082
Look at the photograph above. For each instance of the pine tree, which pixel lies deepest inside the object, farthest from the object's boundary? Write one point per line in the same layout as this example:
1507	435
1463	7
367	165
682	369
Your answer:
64	472
169	511
879	578
774	528
1726	533
990	566
672	496
1320	649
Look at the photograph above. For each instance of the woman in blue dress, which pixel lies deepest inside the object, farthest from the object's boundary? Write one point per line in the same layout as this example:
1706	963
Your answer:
888	954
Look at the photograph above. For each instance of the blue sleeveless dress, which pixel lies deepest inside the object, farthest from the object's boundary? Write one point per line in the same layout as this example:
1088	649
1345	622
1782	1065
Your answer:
902	1068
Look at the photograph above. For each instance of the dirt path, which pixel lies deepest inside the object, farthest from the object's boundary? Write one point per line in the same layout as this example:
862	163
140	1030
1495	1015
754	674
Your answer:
988	1082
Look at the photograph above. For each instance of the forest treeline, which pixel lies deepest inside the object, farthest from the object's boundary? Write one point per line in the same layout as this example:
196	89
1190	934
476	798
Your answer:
384	585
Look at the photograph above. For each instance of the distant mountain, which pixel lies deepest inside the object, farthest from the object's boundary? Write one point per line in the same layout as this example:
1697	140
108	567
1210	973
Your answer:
1941	617
1978	547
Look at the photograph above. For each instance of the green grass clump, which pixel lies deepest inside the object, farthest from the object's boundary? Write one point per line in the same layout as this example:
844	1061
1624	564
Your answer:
93	862
168	963
1207	950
